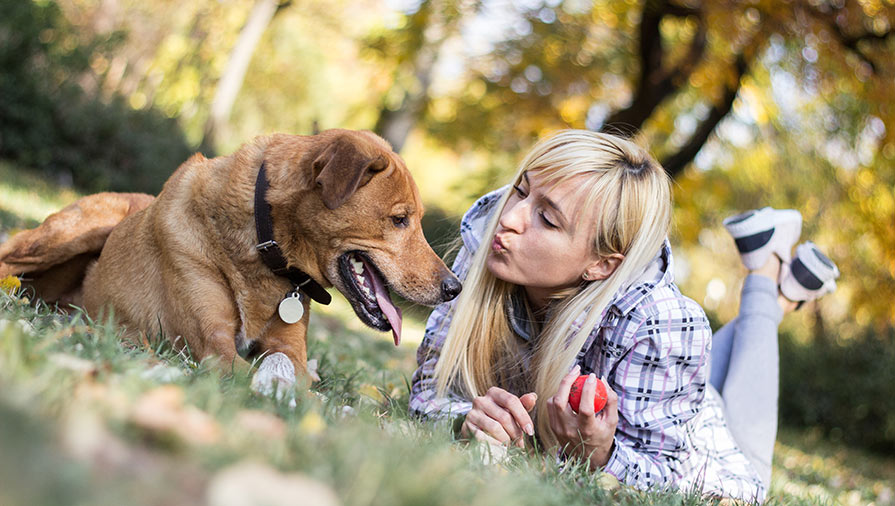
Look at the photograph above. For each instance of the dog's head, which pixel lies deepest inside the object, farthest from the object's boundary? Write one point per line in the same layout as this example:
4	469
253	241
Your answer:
353	214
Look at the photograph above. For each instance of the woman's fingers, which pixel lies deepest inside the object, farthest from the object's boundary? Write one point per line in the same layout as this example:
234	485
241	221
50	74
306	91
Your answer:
562	394
490	407
561	414
513	405
529	401
586	406
488	425
481	435
610	411
553	414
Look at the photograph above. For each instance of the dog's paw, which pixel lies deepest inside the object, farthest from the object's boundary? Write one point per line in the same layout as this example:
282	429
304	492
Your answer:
276	378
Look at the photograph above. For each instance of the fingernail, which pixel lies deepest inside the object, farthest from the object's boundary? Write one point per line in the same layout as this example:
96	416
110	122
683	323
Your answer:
529	430
576	369
591	379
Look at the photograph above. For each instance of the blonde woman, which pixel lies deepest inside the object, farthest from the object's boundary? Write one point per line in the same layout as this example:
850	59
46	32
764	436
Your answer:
568	271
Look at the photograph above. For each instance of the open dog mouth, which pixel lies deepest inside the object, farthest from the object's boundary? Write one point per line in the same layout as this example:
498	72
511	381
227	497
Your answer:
368	293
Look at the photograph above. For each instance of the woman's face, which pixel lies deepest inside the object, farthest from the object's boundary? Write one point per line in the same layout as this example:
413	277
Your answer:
542	241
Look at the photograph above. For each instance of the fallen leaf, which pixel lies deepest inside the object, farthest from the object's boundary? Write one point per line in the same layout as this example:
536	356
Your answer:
163	410
114	401
261	423
84	436
607	481
162	373
312	423
251	483
73	363
371	391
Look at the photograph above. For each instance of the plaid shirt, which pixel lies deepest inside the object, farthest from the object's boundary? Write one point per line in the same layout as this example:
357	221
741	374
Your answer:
653	346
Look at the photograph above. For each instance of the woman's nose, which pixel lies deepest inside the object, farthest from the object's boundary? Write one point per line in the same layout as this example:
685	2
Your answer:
514	217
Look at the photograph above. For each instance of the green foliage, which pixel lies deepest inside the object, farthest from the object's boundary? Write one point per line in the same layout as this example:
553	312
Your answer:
845	388
52	124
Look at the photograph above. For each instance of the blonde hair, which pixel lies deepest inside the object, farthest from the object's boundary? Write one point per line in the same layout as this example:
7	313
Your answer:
630	195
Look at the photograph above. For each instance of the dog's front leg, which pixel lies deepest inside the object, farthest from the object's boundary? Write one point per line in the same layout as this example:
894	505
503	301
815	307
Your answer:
218	324
290	340
284	348
221	348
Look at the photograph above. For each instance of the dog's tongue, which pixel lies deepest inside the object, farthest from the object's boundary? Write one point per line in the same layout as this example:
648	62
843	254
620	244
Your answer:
392	313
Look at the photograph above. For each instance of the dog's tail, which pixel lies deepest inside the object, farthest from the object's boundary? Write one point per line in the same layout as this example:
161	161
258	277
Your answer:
53	258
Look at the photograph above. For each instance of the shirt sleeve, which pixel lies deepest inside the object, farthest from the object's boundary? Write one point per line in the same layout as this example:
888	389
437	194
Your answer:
424	400
661	383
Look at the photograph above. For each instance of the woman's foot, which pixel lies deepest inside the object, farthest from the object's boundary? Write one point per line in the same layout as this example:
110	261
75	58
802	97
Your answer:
770	268
810	275
762	233
773	269
788	306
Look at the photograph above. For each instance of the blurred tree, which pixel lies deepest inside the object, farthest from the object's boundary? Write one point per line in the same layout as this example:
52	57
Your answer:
53	118
172	53
231	81
642	66
175	54
818	146
413	49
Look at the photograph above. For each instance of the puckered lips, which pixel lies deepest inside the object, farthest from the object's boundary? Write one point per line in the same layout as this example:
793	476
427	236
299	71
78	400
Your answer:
368	293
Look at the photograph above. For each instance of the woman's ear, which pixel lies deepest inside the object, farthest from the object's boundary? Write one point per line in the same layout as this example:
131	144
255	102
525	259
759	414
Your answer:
602	268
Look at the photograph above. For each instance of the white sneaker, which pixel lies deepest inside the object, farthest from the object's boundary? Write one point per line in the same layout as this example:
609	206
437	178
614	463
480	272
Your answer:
762	232
810	275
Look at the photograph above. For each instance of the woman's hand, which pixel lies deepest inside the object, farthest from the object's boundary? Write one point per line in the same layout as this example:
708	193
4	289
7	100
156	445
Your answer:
582	433
499	417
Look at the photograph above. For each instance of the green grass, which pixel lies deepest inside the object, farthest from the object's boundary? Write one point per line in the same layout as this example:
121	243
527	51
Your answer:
86	419
26	199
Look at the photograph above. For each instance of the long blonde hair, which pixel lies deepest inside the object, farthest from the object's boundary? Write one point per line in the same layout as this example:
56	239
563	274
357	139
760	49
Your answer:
630	195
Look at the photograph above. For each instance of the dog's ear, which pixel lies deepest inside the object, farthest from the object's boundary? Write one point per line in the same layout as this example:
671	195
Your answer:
341	169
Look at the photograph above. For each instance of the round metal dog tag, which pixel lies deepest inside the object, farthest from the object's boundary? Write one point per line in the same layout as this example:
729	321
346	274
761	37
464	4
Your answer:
291	308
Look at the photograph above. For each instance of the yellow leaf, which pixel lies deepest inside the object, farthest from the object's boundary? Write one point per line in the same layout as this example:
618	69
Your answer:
371	392
10	284
312	423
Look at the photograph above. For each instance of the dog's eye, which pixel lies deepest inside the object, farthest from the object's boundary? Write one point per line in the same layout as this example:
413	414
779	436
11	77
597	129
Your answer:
400	221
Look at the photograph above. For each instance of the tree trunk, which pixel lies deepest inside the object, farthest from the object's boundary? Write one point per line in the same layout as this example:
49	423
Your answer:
234	75
395	125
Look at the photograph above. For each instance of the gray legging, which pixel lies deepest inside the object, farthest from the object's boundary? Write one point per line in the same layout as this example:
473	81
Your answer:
745	369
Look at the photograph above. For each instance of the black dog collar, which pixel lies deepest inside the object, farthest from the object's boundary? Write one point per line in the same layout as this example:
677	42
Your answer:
270	251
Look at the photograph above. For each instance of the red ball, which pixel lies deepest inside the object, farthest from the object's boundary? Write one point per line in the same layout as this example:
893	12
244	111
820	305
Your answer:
600	395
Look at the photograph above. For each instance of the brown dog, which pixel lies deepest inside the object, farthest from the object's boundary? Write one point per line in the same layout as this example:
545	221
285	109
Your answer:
343	208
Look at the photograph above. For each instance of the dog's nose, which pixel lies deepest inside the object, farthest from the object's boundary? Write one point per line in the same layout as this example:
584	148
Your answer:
450	288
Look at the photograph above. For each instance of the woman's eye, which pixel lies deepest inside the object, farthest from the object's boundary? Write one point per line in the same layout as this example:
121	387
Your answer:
400	221
519	191
547	221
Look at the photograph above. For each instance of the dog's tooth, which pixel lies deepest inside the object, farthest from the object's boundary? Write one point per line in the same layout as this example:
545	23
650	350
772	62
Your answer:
358	266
